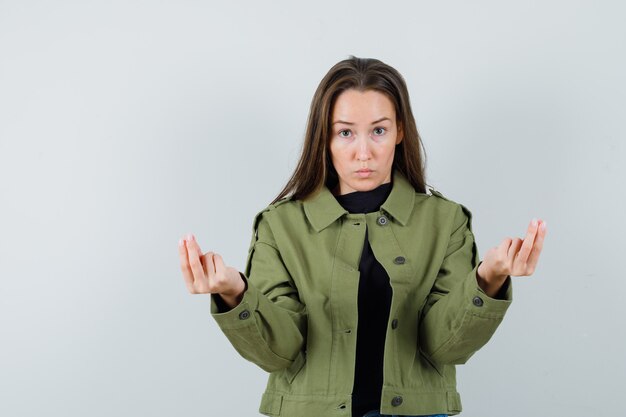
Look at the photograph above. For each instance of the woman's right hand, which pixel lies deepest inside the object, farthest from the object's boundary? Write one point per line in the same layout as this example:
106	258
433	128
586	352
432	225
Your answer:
207	274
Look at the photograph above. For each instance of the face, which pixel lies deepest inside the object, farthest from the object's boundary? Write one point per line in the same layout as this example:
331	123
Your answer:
364	135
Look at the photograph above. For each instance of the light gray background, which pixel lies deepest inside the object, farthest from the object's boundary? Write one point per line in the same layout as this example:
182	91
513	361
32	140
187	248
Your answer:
126	124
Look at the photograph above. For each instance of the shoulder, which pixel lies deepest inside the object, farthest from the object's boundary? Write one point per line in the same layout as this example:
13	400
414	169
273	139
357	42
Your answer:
438	196
280	209
457	212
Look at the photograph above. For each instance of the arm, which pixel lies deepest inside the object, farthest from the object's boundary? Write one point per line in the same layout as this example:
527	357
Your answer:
459	317
268	325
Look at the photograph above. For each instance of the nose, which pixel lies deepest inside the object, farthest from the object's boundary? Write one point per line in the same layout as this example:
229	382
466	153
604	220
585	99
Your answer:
363	148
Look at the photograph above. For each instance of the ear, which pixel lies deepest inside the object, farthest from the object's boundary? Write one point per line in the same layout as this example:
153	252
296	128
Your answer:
400	135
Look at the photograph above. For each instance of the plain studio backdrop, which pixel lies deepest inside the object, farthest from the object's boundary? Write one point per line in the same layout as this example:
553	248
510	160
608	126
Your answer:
126	124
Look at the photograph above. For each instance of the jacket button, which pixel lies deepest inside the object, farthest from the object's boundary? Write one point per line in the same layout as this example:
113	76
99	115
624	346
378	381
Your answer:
382	220
244	315
396	401
478	302
399	260
394	323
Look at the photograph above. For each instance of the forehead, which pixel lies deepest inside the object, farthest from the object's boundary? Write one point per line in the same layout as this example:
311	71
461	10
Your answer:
361	105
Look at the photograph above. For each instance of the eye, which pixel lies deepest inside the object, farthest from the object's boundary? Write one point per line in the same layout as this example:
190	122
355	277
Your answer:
341	133
379	129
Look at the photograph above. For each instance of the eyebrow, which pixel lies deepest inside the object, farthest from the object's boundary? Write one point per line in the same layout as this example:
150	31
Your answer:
375	121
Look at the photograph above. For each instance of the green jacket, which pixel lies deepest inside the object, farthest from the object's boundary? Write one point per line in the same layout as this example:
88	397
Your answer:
298	316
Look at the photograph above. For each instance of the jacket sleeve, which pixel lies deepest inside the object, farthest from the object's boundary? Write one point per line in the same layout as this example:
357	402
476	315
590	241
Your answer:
268	326
459	317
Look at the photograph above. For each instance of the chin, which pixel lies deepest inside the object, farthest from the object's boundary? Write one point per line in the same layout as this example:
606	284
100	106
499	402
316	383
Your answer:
363	184
366	184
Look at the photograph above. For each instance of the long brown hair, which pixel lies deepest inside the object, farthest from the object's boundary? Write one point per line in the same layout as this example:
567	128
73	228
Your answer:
315	166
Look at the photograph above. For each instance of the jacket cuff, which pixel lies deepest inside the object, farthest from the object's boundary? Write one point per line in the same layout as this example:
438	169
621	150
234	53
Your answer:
241	315
480	304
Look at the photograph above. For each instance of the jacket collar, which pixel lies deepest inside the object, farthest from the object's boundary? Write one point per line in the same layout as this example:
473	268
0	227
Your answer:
323	208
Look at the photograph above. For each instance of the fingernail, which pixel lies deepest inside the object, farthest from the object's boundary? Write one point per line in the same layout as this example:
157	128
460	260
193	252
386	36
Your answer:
543	225
534	222
180	242
189	236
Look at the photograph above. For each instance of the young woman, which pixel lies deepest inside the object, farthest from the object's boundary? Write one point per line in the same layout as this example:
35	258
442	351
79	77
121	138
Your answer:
361	290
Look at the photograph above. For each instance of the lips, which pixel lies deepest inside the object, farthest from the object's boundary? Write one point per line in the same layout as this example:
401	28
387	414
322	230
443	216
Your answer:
364	170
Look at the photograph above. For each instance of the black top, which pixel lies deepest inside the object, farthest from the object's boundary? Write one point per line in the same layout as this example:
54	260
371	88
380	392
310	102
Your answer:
374	300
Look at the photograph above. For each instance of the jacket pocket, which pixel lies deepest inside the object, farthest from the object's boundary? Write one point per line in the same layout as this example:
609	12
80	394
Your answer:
292	371
424	357
436	367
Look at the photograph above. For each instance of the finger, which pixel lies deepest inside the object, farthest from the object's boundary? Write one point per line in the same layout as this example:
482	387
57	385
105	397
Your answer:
527	245
513	249
197	269
207	268
204	261
533	258
210	265
194	244
202	257
220	268
184	265
503	247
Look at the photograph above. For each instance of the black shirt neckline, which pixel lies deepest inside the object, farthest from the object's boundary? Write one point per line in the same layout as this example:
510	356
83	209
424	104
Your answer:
365	201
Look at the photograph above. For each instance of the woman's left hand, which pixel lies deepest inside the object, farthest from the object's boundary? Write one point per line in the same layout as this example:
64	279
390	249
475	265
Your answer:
512	257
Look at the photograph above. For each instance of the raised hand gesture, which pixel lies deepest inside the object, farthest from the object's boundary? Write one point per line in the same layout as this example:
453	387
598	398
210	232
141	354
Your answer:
514	257
207	274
